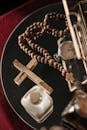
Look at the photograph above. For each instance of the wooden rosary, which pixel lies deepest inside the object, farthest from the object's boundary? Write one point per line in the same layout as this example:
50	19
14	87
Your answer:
26	39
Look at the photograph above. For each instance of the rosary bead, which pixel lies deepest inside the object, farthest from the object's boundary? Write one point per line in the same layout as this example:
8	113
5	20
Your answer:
32	45
29	41
27	28
35	46
22	47
41	50
60	33
55	64
29	52
38	48
27	33
20	38
32	55
35	56
42	59
34	24
58	65
63	72
45	61
34	38
47	26
41	24
39	58
31	29
44	51
50	62
60	68
26	50
48	57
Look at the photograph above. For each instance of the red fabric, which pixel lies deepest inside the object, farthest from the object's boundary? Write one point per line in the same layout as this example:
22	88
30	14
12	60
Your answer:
8	119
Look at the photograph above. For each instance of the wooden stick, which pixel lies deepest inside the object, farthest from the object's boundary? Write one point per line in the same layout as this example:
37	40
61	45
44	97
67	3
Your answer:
31	75
22	76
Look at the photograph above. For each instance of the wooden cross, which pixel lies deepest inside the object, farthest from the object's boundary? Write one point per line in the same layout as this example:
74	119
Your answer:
22	76
26	71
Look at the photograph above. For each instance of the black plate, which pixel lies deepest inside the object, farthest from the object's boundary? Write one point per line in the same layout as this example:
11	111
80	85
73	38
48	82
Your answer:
61	95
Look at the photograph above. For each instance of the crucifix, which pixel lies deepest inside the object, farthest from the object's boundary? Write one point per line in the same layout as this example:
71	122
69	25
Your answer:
26	71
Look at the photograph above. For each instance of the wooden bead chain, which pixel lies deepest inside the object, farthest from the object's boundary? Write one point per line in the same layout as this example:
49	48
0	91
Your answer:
35	31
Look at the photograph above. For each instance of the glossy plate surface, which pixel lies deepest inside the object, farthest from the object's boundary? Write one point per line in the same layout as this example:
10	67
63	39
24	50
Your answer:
61	94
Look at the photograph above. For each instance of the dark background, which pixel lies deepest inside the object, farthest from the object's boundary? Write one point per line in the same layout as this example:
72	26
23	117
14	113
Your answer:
7	5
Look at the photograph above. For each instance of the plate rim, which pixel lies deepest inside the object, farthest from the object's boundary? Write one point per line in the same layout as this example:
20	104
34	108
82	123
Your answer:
2	55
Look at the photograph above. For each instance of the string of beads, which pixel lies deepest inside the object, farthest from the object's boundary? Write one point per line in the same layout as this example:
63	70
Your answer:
35	31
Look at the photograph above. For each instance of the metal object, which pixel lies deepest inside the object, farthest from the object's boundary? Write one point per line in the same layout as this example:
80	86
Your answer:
72	47
78	31
81	103
66	50
74	39
78	104
38	103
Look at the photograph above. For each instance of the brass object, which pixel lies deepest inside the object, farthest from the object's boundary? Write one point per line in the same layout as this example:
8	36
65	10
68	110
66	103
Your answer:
70	77
66	50
78	31
81	103
77	107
